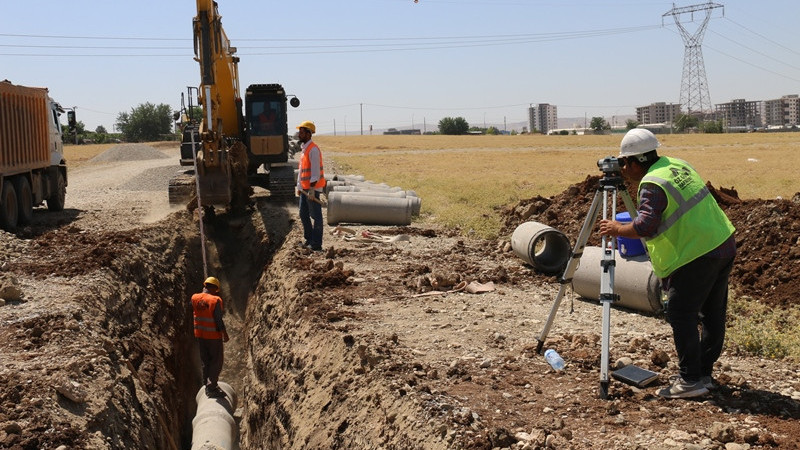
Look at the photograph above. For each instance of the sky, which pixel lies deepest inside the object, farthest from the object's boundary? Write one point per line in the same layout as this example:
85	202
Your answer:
401	63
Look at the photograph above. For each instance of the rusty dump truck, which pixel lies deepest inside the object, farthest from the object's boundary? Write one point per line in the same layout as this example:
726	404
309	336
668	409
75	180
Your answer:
32	166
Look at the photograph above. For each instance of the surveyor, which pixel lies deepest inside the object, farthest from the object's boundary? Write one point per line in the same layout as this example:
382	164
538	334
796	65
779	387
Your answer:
310	185
692	247
209	329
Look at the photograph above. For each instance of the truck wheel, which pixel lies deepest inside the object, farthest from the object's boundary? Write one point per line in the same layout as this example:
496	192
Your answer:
8	207
25	197
56	200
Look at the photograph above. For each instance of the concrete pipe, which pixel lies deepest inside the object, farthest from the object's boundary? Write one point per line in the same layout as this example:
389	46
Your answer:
541	246
213	426
348	178
416	202
370	186
378	192
368	210
634	281
330	185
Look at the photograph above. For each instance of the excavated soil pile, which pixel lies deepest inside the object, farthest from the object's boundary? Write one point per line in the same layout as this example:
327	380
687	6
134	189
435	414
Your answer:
767	235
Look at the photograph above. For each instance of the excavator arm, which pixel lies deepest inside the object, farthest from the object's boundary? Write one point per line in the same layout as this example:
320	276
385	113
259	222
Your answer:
221	156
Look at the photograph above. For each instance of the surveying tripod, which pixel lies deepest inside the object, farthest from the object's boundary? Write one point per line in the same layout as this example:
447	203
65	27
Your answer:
606	194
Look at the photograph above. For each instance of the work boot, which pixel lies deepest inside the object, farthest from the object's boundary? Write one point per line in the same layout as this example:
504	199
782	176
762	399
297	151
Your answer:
214	392
683	389
708	382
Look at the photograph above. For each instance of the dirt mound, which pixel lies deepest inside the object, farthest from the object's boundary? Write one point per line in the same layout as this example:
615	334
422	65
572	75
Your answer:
129	152
767	235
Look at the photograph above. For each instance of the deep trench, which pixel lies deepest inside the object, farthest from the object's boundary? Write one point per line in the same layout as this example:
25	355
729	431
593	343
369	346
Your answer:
239	249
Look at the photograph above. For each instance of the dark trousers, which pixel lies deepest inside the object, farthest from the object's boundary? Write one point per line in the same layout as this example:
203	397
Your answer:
311	210
698	295
212	357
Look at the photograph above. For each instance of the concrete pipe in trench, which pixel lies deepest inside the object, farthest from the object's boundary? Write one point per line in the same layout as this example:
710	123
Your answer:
541	246
369	210
634	281
213	426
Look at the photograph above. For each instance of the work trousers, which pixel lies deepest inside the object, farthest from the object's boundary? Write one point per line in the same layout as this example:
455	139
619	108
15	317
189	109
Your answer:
311	210
211	356
697	295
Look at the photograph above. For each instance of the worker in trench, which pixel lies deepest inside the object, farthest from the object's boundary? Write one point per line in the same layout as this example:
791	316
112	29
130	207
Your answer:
310	185
692	247
209	329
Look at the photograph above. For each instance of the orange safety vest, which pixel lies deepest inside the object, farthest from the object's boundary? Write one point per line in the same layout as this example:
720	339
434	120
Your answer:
203	305
305	169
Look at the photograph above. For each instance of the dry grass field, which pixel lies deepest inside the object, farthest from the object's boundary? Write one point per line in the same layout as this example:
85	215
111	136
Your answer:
462	180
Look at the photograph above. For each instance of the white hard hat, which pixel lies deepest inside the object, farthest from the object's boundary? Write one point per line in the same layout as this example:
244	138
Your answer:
637	142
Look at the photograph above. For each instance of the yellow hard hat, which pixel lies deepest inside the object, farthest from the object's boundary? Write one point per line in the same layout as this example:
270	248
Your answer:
212	281
308	125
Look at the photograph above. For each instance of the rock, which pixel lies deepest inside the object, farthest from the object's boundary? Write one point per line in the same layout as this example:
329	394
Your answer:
9	290
722	432
72	390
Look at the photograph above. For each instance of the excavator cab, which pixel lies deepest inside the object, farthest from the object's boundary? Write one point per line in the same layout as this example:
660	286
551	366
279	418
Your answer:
267	135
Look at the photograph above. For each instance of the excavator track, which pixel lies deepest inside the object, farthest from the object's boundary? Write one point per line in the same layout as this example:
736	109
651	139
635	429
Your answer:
282	183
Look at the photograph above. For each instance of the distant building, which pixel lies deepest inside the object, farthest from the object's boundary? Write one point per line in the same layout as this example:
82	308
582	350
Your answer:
396	131
659	112
740	114
782	112
543	117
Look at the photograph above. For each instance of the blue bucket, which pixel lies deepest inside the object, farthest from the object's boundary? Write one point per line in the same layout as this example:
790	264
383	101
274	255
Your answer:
627	246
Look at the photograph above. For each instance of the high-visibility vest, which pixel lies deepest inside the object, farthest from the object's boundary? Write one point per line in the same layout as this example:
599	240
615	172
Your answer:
692	223
203	305
305	169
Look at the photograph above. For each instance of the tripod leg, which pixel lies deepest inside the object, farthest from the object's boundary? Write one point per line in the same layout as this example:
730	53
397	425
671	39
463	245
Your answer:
607	295
572	266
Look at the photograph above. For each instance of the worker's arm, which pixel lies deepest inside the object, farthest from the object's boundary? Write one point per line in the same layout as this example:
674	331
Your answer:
314	157
219	322
652	203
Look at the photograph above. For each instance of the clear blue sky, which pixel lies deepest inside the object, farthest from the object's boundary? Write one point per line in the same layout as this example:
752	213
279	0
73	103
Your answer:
395	63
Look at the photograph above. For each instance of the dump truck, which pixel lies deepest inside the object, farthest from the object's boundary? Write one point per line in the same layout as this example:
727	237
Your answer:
225	146
32	165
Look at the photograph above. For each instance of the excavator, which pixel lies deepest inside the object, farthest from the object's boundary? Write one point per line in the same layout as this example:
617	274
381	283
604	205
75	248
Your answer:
226	148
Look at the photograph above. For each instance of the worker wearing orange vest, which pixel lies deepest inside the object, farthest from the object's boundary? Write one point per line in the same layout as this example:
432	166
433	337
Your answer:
310	185
209	329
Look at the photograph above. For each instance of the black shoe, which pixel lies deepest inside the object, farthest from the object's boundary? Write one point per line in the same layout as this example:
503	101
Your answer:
317	249
214	392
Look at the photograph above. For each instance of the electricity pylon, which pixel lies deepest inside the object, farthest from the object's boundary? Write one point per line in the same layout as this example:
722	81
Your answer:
694	84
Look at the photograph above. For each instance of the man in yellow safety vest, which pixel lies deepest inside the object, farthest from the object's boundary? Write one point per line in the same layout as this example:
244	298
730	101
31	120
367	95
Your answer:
692	247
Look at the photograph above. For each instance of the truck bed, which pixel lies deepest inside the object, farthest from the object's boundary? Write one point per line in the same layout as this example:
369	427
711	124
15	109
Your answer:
24	115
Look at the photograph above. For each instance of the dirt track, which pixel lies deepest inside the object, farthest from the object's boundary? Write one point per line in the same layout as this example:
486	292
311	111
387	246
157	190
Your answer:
350	348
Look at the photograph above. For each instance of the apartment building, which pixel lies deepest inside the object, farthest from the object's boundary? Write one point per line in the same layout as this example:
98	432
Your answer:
740	113
784	111
543	117
659	112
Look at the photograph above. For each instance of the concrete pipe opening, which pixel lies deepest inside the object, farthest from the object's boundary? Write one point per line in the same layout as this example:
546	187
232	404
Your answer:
541	246
634	281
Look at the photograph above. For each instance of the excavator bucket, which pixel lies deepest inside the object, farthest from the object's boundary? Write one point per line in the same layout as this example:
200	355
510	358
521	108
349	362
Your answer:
215	186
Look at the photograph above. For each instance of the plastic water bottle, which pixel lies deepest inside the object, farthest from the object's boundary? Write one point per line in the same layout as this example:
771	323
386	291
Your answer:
554	359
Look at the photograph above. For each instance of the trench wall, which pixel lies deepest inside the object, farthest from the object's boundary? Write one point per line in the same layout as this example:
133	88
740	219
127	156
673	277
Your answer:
313	384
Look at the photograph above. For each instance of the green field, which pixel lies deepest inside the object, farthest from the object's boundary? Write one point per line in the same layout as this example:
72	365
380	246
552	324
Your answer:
463	179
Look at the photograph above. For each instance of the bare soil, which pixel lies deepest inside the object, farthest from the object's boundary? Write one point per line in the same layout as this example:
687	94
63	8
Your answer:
369	344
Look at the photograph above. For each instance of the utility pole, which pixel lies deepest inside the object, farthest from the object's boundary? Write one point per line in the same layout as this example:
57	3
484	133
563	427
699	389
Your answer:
362	118
694	84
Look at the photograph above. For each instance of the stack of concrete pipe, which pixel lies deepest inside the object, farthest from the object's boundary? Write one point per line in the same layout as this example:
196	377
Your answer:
213	426
351	199
548	251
